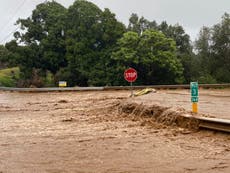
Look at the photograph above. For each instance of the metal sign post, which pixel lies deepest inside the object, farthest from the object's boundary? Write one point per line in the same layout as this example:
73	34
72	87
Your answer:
131	84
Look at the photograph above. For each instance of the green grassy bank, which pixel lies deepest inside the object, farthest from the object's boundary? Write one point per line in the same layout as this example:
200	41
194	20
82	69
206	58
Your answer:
9	77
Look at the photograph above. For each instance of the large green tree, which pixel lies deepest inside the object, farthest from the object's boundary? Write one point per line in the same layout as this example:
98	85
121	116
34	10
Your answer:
152	54
220	49
91	35
43	32
183	45
176	32
88	46
202	62
213	52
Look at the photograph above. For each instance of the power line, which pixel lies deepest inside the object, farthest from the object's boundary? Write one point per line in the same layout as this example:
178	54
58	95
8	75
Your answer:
8	35
16	11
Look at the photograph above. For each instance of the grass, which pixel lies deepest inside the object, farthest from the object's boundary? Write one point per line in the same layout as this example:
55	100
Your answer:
49	80
9	77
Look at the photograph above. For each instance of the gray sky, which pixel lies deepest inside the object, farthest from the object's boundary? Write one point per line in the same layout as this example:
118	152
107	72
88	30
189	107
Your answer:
191	14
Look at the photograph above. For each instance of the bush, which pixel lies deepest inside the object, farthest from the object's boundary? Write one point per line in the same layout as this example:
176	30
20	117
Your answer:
206	79
9	77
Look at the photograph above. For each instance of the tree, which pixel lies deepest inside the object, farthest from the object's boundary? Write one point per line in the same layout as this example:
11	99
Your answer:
4	57
220	49
81	39
91	36
176	32
152	54
139	25
44	31
202	62
27	58
183	45
213	51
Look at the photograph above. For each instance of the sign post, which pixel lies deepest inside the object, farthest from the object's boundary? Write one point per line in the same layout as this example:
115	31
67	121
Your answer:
130	75
194	96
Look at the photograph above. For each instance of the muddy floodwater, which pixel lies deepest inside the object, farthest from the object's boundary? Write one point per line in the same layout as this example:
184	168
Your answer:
89	132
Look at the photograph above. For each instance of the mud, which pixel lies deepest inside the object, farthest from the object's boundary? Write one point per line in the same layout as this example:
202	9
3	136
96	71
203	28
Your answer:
168	116
84	132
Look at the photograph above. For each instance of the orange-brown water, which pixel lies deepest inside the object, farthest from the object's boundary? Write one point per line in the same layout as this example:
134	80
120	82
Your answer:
86	132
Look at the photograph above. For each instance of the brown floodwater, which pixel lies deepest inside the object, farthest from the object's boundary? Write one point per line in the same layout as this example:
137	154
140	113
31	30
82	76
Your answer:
87	132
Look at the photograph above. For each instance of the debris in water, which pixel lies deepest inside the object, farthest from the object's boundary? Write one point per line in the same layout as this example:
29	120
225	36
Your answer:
68	120
62	101
144	91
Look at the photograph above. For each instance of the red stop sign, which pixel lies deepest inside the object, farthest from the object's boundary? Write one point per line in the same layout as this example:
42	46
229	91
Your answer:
130	75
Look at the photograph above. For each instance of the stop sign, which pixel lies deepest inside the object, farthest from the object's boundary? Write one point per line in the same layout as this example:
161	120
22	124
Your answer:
130	75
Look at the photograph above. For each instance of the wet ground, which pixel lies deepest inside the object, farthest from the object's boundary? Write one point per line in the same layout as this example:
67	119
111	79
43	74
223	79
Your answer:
87	132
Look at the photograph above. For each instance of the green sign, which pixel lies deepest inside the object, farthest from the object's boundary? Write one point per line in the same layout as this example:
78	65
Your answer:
194	91
194	99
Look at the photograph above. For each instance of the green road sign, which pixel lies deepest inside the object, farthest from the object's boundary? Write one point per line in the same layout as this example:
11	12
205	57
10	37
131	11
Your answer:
194	89
194	99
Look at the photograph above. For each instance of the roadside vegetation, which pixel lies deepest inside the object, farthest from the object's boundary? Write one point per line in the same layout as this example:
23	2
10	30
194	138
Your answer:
9	77
87	46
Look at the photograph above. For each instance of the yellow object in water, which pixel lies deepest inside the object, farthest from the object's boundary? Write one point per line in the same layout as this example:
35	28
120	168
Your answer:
144	91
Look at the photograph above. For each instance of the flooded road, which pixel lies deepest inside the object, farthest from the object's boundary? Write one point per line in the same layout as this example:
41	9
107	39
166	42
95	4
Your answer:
212	102
86	132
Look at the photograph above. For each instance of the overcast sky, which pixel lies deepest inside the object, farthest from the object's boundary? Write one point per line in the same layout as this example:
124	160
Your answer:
191	14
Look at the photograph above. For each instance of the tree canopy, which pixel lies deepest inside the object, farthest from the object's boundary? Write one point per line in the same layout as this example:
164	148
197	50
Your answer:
213	52
152	54
3	55
88	46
